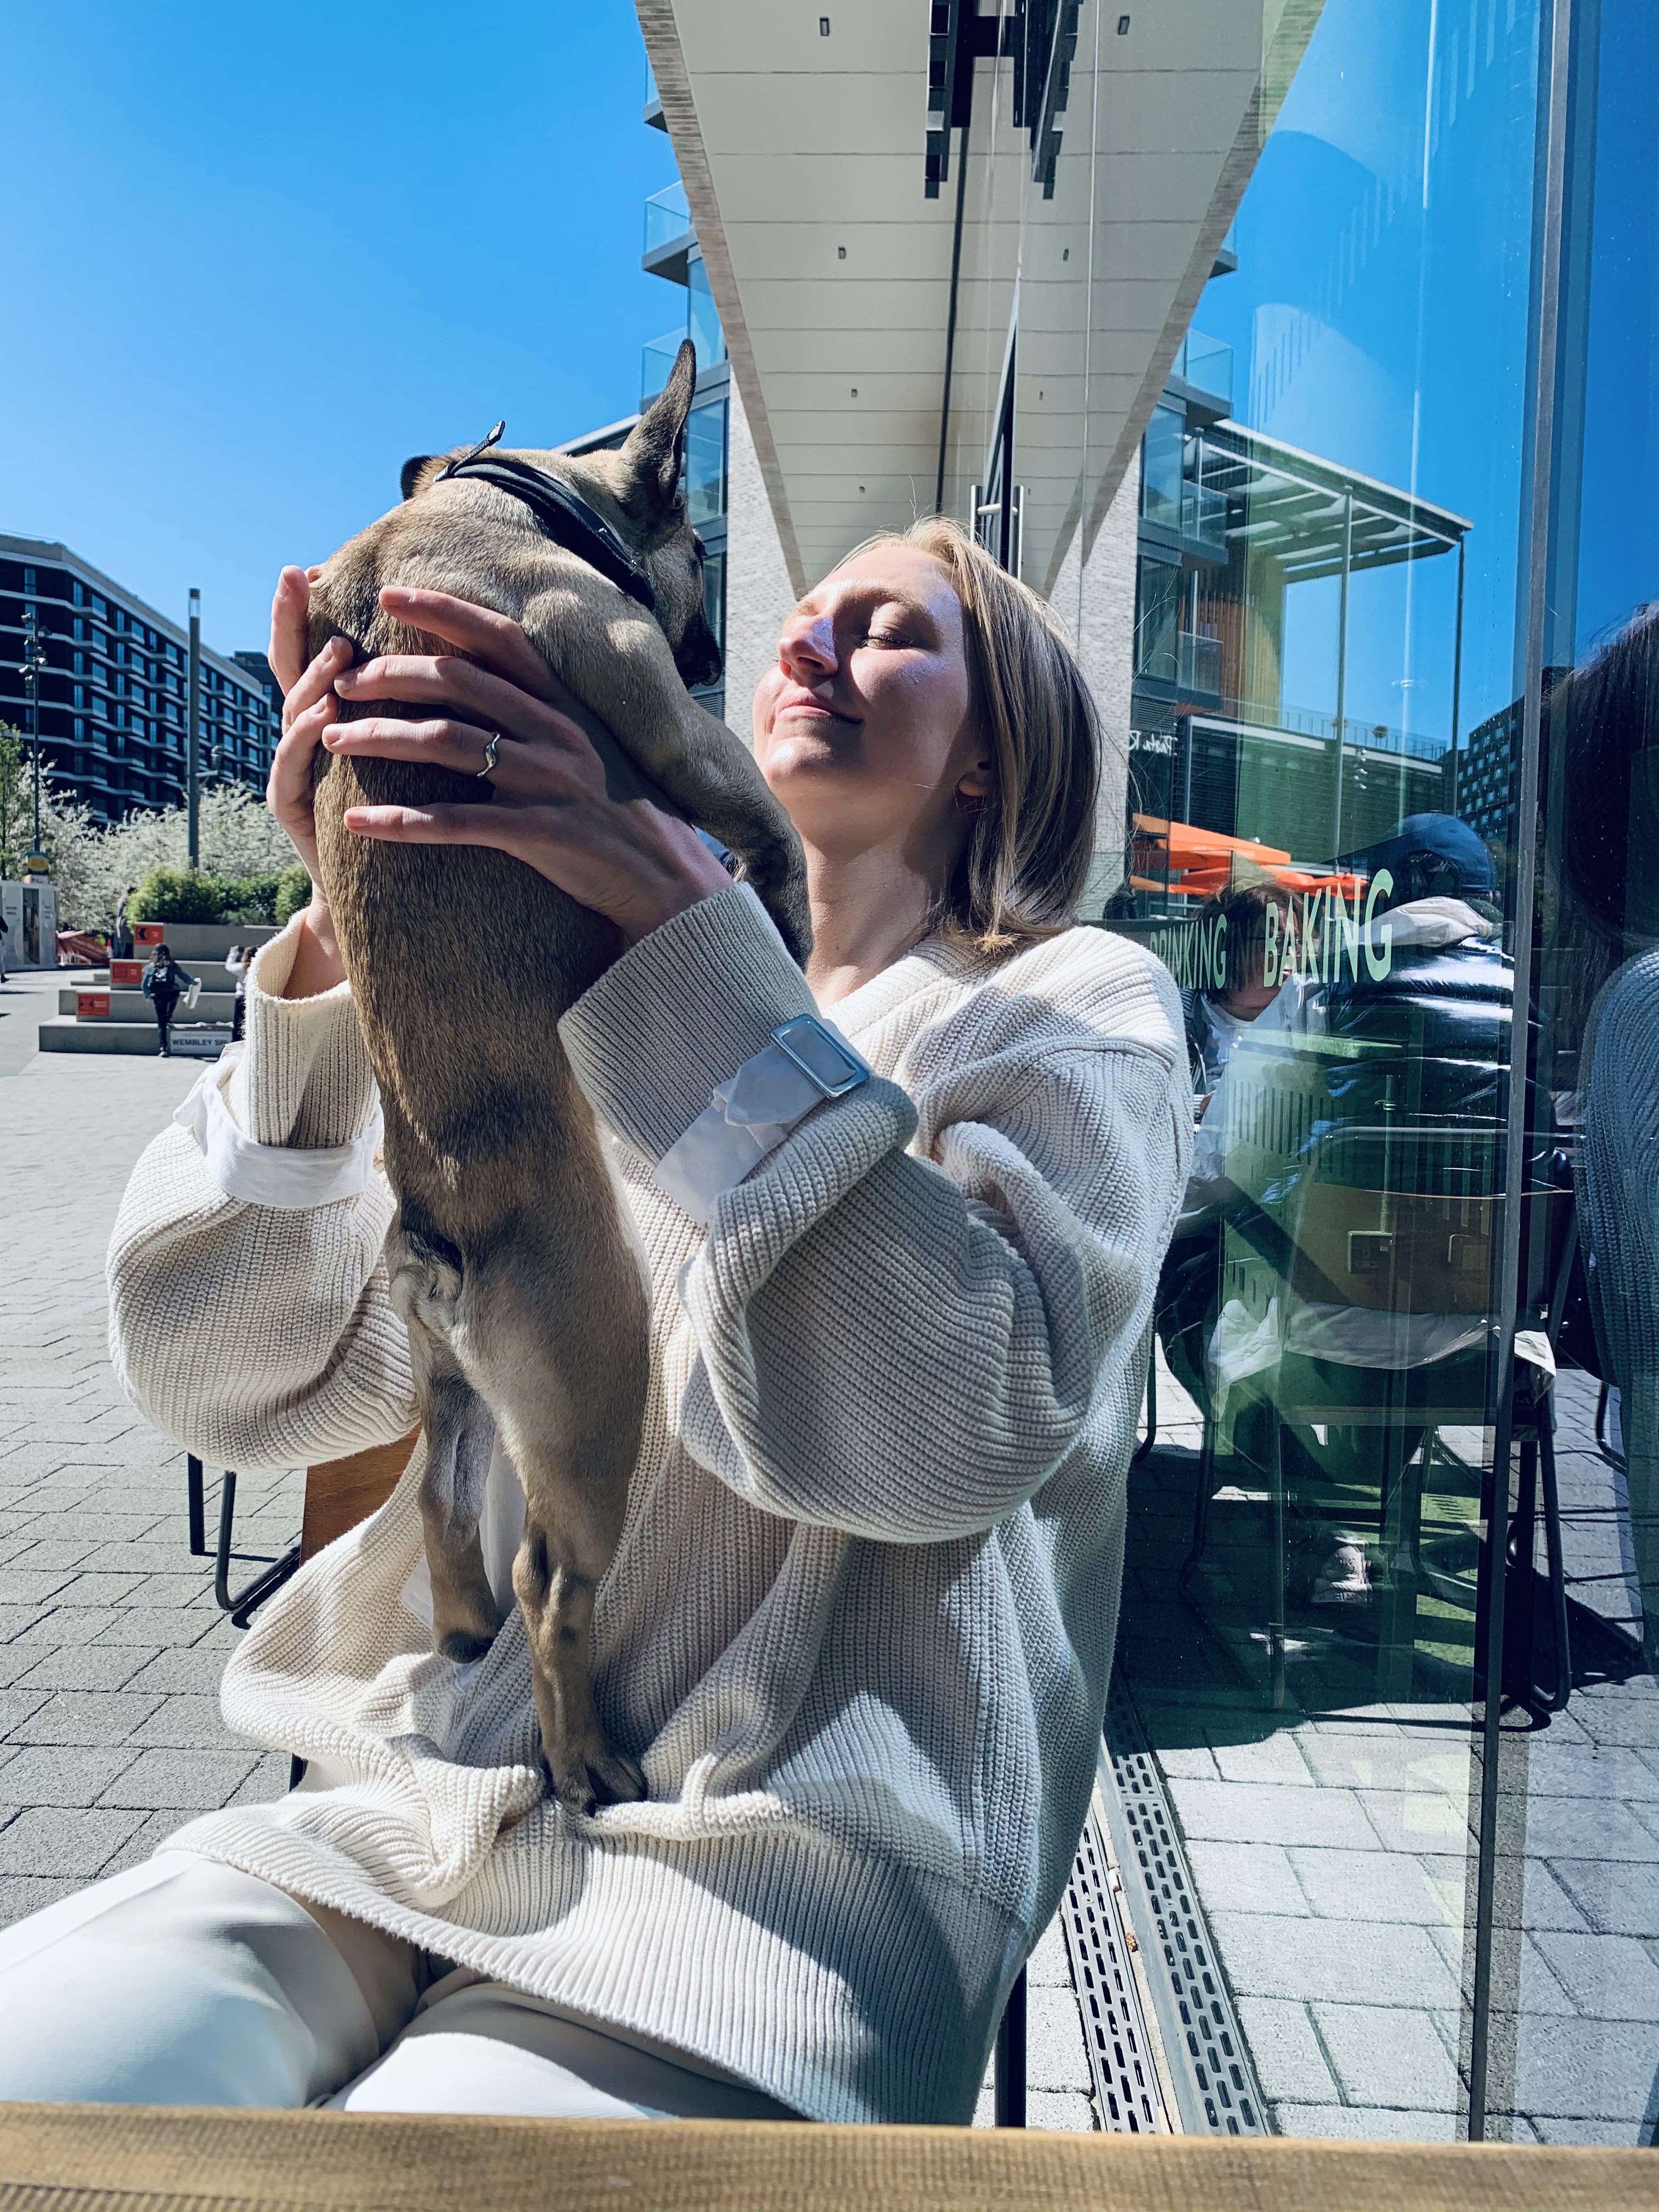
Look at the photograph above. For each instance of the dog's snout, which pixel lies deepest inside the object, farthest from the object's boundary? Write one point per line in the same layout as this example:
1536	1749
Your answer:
698	658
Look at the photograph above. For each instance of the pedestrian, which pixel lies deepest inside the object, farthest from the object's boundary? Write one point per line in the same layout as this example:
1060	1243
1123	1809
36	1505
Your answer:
123	945
240	962
164	979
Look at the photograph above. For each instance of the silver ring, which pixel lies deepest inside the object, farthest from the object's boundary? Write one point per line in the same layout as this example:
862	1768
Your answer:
490	745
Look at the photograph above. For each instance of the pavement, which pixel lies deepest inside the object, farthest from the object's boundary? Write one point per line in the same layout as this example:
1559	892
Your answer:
1328	1842
111	1644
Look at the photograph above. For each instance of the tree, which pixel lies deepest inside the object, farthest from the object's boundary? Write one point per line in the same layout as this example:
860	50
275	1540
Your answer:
16	803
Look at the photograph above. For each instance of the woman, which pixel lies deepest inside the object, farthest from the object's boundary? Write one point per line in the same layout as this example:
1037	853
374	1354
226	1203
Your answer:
1218	1015
858	1628
164	979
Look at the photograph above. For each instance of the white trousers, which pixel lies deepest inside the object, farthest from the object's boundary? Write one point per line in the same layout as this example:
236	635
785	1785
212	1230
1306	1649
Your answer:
182	1982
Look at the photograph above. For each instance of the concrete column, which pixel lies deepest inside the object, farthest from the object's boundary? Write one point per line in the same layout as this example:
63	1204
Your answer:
758	592
1103	640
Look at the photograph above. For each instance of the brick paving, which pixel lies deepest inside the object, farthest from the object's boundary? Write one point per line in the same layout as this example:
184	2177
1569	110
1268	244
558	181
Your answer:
111	1644
1328	1849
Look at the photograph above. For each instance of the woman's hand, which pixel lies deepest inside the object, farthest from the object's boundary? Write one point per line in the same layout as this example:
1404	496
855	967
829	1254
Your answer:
561	798
308	707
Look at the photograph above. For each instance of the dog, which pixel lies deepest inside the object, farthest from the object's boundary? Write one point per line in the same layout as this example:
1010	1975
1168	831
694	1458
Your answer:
513	1259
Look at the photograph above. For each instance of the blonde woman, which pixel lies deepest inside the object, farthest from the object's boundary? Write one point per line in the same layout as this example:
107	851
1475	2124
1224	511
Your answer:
859	1629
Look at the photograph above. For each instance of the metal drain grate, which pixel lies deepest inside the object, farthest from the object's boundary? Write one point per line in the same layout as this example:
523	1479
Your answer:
1129	2090
1213	2081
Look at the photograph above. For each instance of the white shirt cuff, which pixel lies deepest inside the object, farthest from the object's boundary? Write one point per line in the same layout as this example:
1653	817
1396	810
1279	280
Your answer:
287	1180
748	1118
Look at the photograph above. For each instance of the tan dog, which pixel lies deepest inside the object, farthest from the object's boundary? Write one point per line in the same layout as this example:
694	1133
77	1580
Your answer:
513	1259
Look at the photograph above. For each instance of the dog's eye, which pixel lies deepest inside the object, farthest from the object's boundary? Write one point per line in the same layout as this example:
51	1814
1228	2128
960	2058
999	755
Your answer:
702	550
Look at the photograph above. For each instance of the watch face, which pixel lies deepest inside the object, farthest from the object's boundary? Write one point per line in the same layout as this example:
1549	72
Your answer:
830	1066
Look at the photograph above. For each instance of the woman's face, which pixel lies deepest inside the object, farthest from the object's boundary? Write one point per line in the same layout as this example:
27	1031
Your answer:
865	729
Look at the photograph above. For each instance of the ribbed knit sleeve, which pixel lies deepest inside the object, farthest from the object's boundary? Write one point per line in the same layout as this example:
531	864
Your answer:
905	1347
255	1337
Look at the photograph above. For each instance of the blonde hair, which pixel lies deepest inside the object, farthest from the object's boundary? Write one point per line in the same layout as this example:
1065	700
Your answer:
1028	854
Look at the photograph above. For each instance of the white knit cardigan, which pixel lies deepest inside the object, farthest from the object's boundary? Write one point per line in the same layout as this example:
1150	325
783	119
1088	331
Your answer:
859	1629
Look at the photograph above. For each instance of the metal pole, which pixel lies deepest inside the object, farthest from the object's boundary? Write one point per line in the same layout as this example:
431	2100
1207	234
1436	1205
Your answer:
1557	29
194	744
950	322
1457	679
1342	663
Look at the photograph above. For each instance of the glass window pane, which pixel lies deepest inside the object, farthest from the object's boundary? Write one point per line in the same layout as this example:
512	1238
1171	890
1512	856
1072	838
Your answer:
705	462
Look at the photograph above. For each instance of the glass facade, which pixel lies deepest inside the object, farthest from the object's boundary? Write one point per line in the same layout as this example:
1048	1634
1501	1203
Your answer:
1379	672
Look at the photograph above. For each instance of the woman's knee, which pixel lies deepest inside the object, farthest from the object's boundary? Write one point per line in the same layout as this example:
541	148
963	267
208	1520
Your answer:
182	1982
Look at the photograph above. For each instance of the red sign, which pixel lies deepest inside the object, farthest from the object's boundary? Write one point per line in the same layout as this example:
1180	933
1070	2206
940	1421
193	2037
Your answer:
126	975
92	1005
150	932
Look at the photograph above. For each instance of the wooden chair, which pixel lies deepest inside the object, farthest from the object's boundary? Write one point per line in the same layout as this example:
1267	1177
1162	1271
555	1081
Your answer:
339	1493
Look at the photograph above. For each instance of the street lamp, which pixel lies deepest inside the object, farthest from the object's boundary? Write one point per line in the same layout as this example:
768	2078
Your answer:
30	668
194	723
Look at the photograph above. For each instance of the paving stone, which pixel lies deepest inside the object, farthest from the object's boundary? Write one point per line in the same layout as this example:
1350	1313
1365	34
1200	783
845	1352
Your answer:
17	1705
1602	1828
1289	2062
183	1720
1575	2070
1273	1956
1415	1821
1592	2134
1054	2054
1385	2057
85	1666
22	1894
48	1554
81	1717
1064	2113
1400	1761
62	1843
1245	1878
268	1782
24	1586
1349	2124
1274	1759
198	1668
196	1781
19	1619
1619	1896
1607	1977
1392	1885
140	1627
1591	1772
55	1775
1250	1813
1049	1966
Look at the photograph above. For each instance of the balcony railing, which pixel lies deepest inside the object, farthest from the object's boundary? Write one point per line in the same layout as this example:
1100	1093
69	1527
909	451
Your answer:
1207	365
1199	660
1204	517
668	217
656	360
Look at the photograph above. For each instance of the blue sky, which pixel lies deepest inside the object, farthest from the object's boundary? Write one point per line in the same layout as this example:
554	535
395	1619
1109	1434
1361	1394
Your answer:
256	257
1379	319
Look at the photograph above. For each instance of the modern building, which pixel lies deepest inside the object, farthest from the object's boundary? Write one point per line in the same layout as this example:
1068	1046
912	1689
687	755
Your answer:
1260	336
112	695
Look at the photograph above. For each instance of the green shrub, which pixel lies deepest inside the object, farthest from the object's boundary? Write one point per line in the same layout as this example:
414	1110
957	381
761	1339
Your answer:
166	894
292	891
252	898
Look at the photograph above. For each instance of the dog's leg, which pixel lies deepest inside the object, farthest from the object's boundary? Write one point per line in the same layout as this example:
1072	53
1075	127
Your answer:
556	1336
460	1436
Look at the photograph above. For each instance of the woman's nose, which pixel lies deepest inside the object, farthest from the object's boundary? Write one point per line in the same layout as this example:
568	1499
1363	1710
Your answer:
806	649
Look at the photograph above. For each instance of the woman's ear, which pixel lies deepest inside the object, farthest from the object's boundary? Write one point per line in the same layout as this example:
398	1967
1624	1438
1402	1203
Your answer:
974	787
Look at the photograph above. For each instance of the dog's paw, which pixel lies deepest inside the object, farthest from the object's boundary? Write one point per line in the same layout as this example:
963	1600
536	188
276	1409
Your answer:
597	1774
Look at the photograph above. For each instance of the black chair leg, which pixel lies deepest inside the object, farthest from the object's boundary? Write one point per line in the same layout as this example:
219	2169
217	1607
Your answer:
1195	1550
1011	2058
1555	1702
296	1771
1276	1615
1150	1436
239	1604
196	1497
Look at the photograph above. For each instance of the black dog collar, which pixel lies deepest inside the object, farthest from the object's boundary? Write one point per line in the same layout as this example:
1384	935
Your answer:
564	514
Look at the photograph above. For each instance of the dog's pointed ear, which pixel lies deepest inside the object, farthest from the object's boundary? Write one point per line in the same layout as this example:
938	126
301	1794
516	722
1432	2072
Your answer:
654	453
410	480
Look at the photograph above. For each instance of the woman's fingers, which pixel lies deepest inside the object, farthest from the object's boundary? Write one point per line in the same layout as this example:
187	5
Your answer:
438	825
494	702
318	681
290	607
457	746
495	640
